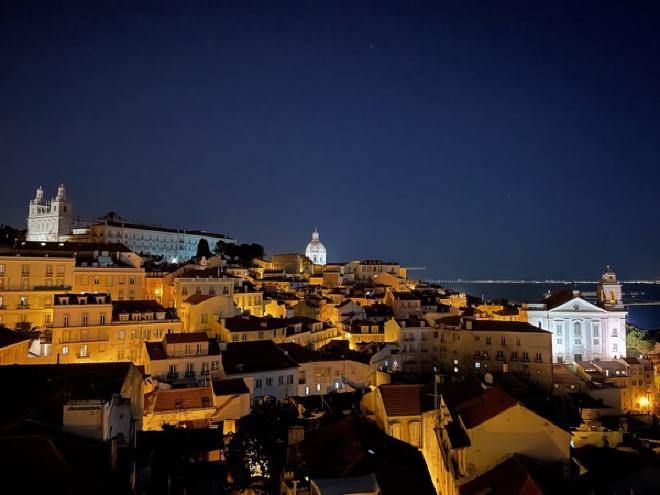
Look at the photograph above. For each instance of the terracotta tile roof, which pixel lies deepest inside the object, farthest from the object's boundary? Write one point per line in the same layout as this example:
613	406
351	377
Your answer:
406	400
179	398
185	337
511	477
485	406
230	386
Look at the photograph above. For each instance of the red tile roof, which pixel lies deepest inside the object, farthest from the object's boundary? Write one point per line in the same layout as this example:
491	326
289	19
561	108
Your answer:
406	400
483	407
510	477
179	398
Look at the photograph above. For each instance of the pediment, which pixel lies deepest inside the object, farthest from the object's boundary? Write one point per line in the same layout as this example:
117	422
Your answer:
577	304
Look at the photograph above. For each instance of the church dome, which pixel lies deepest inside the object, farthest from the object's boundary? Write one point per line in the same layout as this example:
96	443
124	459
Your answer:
315	250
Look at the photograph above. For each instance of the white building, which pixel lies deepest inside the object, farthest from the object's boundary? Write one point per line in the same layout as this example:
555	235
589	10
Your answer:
173	244
49	221
583	331
316	250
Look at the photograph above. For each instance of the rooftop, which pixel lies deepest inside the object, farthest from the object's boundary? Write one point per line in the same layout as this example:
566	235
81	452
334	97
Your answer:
249	323
489	404
185	337
176	399
406	399
9	337
255	356
505	326
230	386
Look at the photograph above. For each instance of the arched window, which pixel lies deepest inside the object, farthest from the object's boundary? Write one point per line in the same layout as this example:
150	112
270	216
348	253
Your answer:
414	431
577	329
395	430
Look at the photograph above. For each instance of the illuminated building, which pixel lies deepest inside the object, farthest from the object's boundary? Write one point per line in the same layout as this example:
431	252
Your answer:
324	372
49	221
183	359
492	346
581	330
93	328
268	371
13	346
315	250
28	282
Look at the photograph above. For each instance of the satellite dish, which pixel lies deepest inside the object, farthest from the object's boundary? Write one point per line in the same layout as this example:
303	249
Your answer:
488	378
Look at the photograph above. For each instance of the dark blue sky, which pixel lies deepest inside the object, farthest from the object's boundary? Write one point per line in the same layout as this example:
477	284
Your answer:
478	139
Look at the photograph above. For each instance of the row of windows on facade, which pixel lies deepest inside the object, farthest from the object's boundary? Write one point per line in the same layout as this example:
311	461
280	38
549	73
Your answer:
414	432
499	356
477	338
25	270
578	341
577	329
243	336
259	382
190	369
96	280
25	284
146	237
198	290
102	334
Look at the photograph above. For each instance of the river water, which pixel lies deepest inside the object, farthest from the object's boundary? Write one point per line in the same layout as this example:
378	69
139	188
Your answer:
644	316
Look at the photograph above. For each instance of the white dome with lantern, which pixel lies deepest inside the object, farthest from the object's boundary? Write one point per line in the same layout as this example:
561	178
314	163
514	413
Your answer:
316	250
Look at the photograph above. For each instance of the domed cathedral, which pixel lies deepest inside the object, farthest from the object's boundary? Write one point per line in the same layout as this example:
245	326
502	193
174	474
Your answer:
316	250
48	221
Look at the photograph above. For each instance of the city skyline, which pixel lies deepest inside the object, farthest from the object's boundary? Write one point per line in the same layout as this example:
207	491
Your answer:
427	134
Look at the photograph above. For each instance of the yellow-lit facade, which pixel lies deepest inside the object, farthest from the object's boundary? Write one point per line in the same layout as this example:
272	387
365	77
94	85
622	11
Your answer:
27	287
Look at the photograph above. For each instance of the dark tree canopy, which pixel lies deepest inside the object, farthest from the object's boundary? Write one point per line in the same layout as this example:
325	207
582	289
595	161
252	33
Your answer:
257	450
9	234
203	249
243	254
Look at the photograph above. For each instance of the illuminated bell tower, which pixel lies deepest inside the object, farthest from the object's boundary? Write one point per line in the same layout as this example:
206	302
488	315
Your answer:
610	291
47	220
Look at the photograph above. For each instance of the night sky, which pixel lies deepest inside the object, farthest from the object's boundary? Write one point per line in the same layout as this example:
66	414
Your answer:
478	139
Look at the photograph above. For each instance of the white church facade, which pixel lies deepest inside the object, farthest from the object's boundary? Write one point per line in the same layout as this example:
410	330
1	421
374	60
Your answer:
49	220
581	330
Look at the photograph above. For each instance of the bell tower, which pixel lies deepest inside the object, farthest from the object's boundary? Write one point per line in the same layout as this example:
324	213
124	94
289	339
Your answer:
49	220
610	290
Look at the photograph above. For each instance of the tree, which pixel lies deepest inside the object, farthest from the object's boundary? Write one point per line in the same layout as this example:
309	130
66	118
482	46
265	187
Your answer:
638	339
256	452
203	249
243	254
9	234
